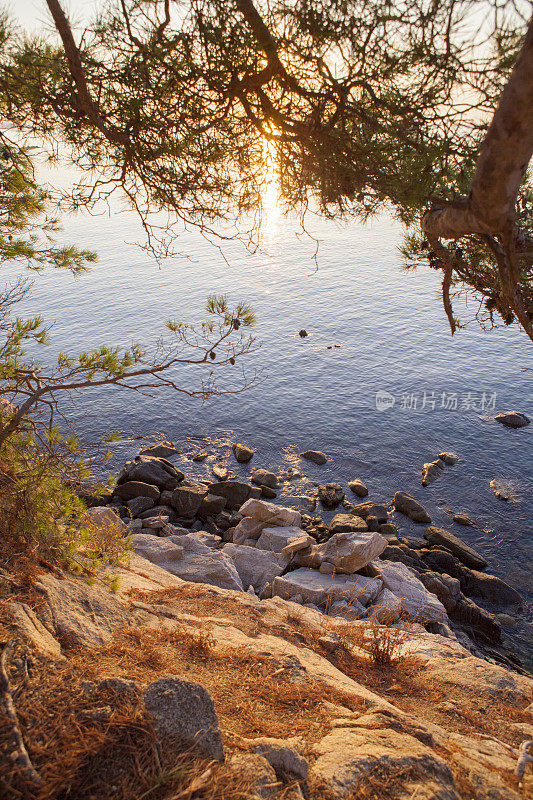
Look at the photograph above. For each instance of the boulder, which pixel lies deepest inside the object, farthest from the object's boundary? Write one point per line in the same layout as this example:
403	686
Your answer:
441	561
152	470
370	509
247	528
449	458
242	453
349	552
156	511
358	488
268	493
319	589
31	629
255	567
211	506
418	604
297	543
446	588
348	611
105	517
469	614
270	513
431	471
512	419
220	472
316	456
342	523
462	519
276	539
262	477
139	504
155	523
184	716
160	450
131	489
466	554
186	500
491	588
189	559
331	494
386	608
255	775
235	492
406	504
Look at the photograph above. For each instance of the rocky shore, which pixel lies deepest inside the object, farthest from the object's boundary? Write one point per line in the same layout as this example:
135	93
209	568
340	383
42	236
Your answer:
357	565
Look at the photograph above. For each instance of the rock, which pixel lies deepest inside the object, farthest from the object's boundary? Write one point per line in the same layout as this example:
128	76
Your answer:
276	539
342	523
235	492
449	458
446	588
30	628
199	457
500	491
121	690
358	488
242	453
349	552
512	419
211	506
256	775
505	620
462	519
303	333
370	509
297	543
255	567
442	561
468	613
155	523
183	714
80	615
262	477
186	500
268	493
105	517
139	504
154	471
318	589
389	530
156	511
331	494
348	611
406	504
372	523
431	471
248	528
282	756
385	609
131	489
220	472
160	450
189	559
271	513
491	588
418	604
316	456
405	555
348	756
326	568
466	554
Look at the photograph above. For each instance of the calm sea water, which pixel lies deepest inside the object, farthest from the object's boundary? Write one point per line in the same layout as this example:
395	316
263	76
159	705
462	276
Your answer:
392	336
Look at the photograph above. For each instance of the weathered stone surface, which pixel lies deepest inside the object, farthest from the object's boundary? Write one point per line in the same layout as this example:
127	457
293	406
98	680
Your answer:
462	519
242	453
512	419
151	470
248	528
131	489
316	456
32	629
276	539
189	559
160	450
156	511
370	509
348	611
255	567
211	506
466	554
235	492
186	500
262	477
349	552
491	588
256	775
342	523
386	608
318	589
139	504
297	543
331	494
184	715
80	615
417	603
105	517
449	458
282	755
431	471
270	513
347	755
220	472
358	487
268	493
155	523
406	504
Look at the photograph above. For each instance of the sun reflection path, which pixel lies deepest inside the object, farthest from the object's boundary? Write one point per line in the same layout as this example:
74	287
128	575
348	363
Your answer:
270	212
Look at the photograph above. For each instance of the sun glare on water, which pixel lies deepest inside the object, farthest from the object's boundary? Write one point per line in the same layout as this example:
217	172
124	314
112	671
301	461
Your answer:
270	190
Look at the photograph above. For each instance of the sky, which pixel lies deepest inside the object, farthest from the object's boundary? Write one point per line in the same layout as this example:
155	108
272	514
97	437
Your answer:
35	14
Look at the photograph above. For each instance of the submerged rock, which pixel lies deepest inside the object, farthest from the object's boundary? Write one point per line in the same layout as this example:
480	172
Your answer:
512	419
406	504
358	487
242	453
316	456
449	458
431	471
462	519
331	494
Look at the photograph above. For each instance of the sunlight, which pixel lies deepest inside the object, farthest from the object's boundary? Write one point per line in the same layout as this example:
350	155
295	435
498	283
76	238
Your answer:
270	212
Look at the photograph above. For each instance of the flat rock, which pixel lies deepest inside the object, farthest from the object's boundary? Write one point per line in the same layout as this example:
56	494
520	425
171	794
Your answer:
449	458
255	567
149	469
406	504
431	471
276	539
343	523
211	506
160	450
465	553
349	552
319	589
418	604
189	559
462	519
139	504
32	629
235	492
512	419
385	609
330	494
186	500
242	453
131	489
270	513
358	487
316	456
370	509
262	477
184	715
